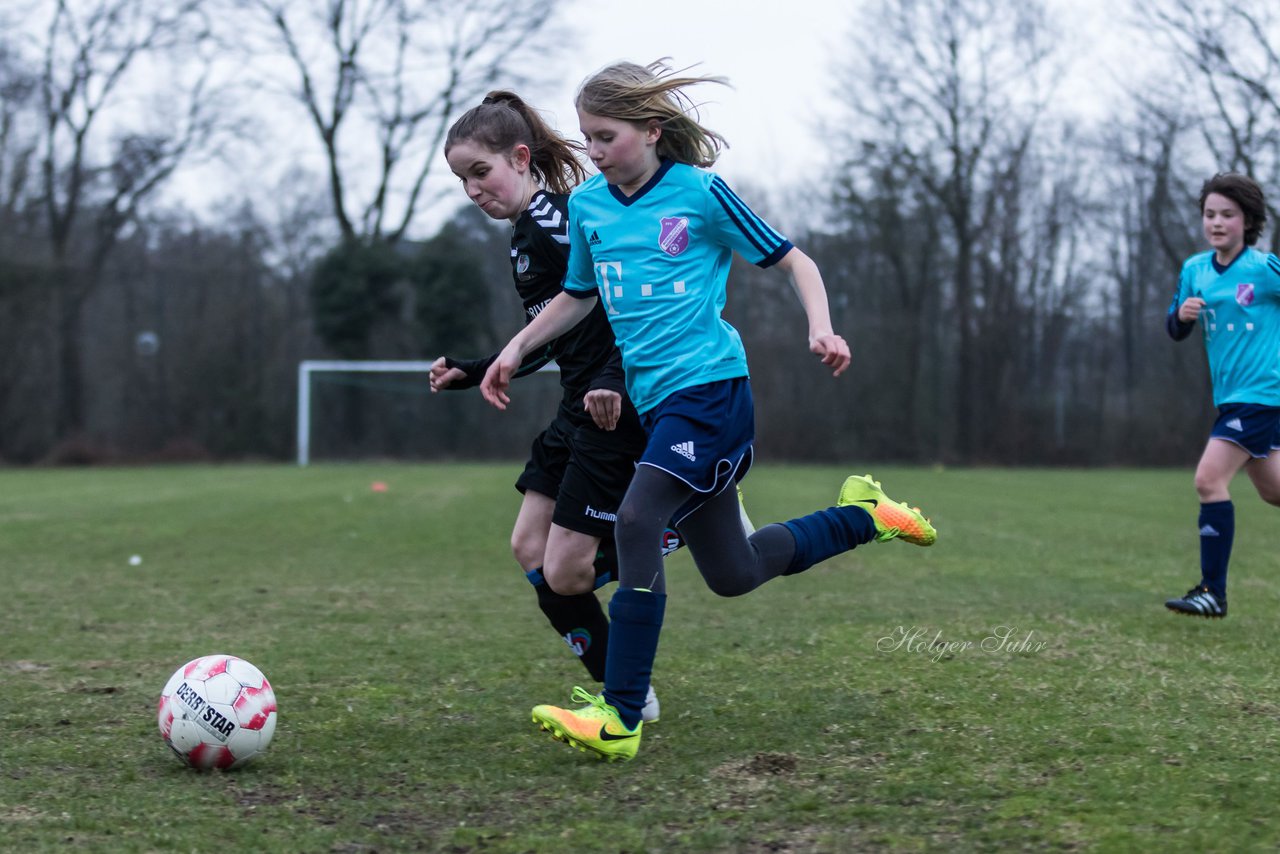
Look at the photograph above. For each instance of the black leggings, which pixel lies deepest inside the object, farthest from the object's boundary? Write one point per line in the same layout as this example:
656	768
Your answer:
731	563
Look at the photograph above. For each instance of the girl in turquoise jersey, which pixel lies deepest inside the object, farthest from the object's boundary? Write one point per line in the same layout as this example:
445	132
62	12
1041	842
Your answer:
1233	291
516	167
652	236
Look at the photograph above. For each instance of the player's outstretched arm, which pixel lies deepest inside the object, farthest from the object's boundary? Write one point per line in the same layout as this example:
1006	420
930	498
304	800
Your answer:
444	375
806	280
558	317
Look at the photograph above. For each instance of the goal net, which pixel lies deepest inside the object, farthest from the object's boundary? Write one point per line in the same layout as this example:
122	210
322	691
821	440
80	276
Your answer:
349	410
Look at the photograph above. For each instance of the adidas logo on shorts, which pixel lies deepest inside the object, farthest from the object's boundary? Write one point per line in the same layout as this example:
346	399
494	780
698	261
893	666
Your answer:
685	449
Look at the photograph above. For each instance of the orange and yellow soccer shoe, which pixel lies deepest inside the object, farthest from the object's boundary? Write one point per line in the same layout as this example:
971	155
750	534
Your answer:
893	521
594	729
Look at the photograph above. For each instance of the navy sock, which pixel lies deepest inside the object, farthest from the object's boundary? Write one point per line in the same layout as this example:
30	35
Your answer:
828	533
1217	532
636	617
579	620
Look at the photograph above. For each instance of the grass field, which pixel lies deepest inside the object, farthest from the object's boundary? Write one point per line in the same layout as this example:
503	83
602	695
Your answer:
868	704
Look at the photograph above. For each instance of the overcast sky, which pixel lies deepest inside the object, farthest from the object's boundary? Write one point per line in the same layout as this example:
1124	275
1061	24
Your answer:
779	62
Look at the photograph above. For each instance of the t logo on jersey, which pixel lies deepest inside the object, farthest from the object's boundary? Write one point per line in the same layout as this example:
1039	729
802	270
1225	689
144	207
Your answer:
1244	294
674	235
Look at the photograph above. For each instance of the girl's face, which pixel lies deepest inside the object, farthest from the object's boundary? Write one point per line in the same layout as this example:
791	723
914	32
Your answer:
624	152
1223	225
500	185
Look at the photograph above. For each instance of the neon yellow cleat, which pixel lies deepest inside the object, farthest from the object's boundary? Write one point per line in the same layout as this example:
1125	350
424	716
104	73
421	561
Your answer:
893	520
594	729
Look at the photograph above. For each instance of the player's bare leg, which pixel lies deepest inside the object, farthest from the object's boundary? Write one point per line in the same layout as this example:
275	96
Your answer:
1218	465
1265	474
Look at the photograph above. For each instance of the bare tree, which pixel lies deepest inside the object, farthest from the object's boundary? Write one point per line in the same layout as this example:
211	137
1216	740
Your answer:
380	80
18	138
101	157
1228	55
1146	237
23	276
1208	105
944	98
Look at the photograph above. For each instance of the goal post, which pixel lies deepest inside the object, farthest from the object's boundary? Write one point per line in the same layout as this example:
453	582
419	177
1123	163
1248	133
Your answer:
309	369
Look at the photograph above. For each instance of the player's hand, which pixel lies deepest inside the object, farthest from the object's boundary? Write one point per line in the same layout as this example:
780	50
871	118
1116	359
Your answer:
498	378
1190	309
442	376
605	407
833	350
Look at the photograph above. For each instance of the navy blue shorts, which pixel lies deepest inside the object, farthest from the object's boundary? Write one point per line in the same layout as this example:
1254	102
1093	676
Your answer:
703	435
1254	427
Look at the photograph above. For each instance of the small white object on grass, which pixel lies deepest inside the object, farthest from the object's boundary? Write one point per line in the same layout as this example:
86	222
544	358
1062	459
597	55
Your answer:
135	560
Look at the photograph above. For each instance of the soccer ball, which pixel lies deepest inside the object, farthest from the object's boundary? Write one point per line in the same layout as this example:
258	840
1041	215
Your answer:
217	712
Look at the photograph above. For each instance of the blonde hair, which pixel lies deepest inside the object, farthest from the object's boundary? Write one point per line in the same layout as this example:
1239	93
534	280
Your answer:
637	93
502	121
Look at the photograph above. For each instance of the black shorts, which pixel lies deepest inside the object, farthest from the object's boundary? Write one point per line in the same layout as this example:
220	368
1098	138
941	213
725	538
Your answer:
585	470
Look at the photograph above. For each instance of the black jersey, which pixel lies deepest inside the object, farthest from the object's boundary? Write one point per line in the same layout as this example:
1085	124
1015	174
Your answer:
587	354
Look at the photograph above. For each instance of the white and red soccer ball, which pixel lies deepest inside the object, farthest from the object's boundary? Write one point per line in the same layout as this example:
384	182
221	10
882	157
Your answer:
217	711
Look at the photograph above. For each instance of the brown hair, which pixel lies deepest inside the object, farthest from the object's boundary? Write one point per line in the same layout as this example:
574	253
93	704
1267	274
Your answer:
502	121
637	93
1246	193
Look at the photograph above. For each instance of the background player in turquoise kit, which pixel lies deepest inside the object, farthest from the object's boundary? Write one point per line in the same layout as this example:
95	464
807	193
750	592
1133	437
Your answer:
652	240
1233	291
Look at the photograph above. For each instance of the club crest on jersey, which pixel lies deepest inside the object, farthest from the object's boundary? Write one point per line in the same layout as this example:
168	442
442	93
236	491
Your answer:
674	235
522	264
1244	294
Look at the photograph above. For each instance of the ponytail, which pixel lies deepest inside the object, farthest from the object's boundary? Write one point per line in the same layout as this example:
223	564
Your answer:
502	121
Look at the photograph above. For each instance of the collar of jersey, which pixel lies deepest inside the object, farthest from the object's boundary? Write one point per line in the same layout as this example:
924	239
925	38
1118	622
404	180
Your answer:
1219	269
627	201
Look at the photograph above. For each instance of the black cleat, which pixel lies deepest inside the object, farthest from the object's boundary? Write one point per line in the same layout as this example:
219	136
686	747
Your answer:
1200	601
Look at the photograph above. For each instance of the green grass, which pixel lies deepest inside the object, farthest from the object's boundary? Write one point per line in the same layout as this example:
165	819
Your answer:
406	651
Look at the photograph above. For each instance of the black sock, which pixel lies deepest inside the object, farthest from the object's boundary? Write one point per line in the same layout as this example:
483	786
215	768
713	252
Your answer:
579	620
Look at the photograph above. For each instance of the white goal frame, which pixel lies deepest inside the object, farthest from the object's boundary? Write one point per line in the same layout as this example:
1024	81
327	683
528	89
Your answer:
307	367
311	366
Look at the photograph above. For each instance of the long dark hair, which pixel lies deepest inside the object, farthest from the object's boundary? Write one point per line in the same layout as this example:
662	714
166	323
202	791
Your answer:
502	121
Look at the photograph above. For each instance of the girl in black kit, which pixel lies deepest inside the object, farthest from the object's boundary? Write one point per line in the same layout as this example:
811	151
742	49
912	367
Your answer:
516	167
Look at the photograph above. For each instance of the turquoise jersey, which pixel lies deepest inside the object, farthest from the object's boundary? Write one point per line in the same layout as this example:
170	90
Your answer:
659	261
1240	323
